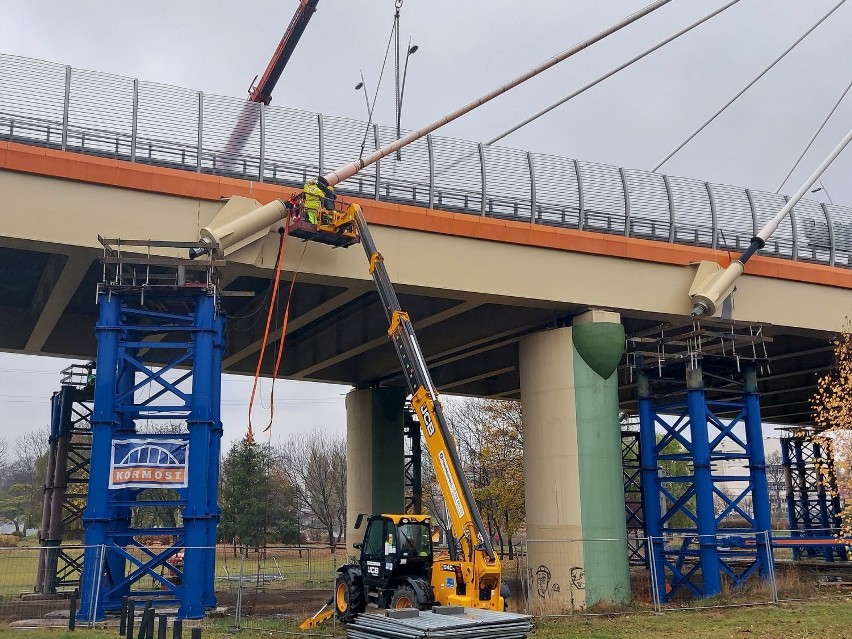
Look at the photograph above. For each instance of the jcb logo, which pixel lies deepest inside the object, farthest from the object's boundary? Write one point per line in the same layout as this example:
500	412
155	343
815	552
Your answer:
427	419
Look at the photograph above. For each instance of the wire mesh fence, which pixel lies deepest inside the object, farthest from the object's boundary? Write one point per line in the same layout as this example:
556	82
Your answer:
21	605
273	588
276	588
576	576
56	106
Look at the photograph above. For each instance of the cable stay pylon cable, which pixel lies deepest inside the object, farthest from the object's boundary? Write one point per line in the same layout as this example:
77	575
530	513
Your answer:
610	73
751	83
351	168
813	138
586	87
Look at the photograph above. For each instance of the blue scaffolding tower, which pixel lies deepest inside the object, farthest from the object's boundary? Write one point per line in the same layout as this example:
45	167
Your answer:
68	460
634	511
160	344
699	415
813	502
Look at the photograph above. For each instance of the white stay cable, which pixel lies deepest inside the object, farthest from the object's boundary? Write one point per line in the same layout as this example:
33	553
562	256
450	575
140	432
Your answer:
350	169
711	293
746	87
813	139
612	72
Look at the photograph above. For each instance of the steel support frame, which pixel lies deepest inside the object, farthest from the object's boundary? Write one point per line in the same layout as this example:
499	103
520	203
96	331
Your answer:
413	458
634	511
68	463
813	510
694	553
128	391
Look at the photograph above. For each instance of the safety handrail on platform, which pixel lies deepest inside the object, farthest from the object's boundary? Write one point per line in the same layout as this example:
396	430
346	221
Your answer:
56	106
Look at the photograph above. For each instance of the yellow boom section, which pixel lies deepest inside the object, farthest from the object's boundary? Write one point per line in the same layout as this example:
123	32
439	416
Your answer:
472	554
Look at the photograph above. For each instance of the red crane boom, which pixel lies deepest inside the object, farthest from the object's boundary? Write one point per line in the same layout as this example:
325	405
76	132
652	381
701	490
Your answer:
262	91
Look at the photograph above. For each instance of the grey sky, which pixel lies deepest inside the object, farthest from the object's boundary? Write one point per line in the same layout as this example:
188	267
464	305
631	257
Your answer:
467	48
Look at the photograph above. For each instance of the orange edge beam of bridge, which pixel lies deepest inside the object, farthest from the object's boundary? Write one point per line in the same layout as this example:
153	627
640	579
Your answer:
141	177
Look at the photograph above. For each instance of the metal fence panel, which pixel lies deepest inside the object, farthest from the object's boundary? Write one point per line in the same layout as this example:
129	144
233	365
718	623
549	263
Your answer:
766	206
734	216
22	117
342	139
48	104
693	211
167	126
404	179
100	114
509	184
231	137
650	212
841	224
458	176
604	198
557	191
20	606
812	232
292	147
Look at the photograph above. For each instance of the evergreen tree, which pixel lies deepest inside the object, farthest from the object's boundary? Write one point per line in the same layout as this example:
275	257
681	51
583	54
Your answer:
258	505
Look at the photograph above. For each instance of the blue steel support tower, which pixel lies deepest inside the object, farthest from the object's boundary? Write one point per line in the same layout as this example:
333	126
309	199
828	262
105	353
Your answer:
813	502
160	346
699	411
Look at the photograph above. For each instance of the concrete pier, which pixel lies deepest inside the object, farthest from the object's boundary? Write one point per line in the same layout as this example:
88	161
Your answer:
375	474
572	463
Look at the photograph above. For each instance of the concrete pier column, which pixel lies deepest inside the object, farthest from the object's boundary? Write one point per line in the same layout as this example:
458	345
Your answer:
577	553
375	457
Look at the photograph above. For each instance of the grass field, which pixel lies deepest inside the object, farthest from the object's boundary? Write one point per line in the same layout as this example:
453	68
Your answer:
819	619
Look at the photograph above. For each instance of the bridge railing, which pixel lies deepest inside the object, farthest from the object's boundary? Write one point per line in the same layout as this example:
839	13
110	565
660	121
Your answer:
56	106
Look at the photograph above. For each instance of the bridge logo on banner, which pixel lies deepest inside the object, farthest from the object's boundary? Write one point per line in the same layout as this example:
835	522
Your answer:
149	463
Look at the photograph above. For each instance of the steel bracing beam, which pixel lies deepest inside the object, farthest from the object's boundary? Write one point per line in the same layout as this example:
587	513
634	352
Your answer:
631	465
187	328
68	462
813	503
707	524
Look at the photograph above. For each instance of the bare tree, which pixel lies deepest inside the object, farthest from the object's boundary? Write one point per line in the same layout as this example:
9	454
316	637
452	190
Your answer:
316	466
27	472
776	480
489	436
4	459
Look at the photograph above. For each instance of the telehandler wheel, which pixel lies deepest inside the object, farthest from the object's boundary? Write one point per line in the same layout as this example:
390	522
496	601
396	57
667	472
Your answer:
348	597
405	597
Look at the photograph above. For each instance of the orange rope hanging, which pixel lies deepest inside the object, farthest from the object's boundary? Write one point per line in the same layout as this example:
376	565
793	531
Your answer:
281	341
275	286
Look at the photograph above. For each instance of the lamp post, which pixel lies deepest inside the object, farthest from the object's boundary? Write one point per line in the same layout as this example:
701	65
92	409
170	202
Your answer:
401	93
824	190
363	85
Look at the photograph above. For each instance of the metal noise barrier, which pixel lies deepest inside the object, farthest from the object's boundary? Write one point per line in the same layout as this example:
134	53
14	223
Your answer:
467	623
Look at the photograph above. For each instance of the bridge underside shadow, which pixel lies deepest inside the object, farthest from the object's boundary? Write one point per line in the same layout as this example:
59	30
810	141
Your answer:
337	331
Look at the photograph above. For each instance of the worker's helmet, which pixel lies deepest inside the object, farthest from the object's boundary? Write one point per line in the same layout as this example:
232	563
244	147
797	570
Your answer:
311	181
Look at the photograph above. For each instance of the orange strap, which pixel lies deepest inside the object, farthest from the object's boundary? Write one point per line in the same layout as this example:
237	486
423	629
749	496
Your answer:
279	264
281	341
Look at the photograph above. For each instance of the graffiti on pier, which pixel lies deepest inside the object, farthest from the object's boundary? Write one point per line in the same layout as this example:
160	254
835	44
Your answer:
578	586
543	584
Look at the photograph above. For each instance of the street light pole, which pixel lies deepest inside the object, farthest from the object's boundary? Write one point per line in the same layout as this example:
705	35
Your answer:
363	85
411	51
401	93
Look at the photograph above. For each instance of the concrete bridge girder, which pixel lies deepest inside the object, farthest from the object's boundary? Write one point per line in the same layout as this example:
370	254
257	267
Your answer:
471	299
